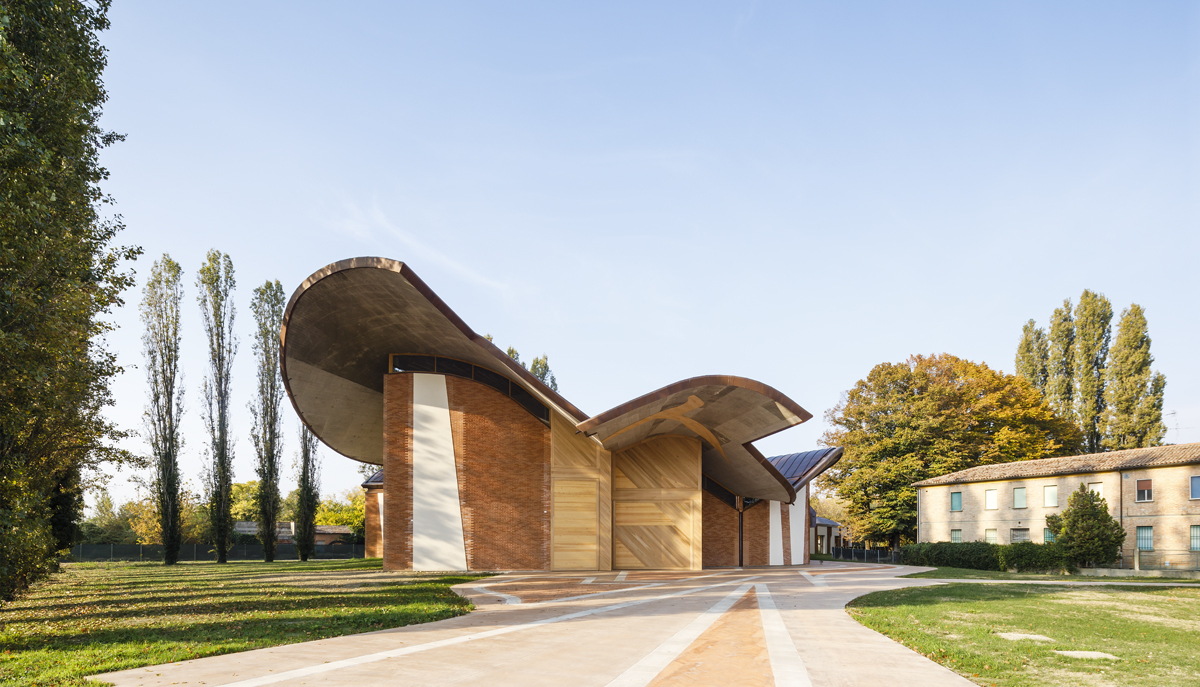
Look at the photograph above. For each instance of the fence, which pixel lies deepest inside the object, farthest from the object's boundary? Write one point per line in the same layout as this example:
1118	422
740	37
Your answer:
205	552
865	555
1163	560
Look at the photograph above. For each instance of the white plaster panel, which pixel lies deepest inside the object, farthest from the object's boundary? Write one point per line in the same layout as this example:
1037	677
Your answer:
776	519
798	513
437	517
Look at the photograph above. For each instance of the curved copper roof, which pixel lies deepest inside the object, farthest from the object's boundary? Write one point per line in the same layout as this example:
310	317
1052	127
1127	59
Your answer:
343	321
802	468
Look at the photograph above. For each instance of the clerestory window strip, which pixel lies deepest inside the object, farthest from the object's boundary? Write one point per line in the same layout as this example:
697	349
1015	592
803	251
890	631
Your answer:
460	368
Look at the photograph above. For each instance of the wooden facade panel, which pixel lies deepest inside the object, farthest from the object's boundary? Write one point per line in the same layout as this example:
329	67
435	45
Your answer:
657	505
576	525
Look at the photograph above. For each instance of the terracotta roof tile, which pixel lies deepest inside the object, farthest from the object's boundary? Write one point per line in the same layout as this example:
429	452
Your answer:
1158	456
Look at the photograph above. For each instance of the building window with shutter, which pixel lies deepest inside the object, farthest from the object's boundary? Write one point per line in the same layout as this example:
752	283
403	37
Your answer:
989	499
1047	536
1145	490
1145	538
1195	487
989	536
1096	488
1195	537
955	501
1017	534
1018	497
1050	496
956	535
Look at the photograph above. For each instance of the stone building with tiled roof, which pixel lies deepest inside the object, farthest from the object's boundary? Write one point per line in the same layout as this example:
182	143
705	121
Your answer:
1153	492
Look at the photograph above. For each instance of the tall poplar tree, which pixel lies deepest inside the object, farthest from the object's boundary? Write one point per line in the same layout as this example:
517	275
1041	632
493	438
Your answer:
1093	334
1060	369
267	307
160	310
1134	394
308	497
216	284
1033	356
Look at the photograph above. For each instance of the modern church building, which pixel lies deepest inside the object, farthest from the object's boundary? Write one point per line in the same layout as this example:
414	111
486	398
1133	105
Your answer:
486	468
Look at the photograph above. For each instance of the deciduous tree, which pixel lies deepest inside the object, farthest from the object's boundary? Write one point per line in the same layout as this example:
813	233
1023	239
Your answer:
59	275
1093	334
267	432
160	312
1033	356
1060	370
926	417
540	368
308	497
216	283
1134	393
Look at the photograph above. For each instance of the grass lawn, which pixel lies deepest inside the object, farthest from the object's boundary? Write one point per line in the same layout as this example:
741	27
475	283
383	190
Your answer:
98	617
967	574
1152	631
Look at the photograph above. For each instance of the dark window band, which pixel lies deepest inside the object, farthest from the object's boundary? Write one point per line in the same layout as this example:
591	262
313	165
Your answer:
459	368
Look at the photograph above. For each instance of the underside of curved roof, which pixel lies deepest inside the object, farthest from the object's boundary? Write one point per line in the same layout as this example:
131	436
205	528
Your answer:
343	322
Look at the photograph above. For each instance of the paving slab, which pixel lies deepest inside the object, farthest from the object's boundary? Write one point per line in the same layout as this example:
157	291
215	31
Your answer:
771	626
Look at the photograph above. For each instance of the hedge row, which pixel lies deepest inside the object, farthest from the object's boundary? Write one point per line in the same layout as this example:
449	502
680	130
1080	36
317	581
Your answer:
978	555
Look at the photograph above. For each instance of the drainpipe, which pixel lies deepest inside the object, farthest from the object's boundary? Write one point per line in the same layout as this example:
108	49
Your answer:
741	544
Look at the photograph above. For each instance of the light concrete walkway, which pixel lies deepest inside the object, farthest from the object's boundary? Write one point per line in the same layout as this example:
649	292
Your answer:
761	626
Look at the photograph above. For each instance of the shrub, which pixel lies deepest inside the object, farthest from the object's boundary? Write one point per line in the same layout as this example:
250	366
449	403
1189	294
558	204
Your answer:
1027	556
976	555
1088	533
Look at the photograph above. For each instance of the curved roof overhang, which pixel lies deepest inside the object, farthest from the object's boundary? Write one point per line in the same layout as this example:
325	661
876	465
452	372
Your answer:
801	468
338	330
726	413
343	322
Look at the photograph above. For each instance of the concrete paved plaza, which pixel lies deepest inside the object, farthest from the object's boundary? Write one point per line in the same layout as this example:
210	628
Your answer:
760	626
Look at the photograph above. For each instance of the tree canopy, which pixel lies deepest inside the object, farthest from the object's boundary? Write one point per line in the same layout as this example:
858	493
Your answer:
1086	530
926	417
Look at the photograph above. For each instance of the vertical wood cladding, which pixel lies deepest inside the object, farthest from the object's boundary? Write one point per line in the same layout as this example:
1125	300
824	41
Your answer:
581	511
756	534
397	471
503	458
720	533
786	517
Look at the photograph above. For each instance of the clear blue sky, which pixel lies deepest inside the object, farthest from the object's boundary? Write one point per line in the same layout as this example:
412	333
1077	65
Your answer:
791	192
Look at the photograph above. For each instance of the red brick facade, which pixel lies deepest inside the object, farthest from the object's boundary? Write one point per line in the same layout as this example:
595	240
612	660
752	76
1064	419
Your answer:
756	534
719	535
503	458
373	535
397	471
785	516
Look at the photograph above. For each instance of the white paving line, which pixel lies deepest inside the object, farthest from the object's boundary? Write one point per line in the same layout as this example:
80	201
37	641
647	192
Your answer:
588	580
404	651
621	576
653	663
786	663
814	579
506	598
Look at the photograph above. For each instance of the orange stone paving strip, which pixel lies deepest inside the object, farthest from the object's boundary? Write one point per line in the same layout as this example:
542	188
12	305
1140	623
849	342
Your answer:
733	653
549	589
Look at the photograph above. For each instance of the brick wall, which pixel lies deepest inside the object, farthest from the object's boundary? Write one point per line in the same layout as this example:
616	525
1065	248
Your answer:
374	542
756	534
785	518
397	471
503	458
1172	512
719	534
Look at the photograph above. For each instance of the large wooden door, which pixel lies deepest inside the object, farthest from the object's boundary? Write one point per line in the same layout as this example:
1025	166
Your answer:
656	505
576	524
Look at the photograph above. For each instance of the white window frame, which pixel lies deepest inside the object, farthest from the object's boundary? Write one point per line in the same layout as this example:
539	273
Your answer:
1137	491
1097	487
952	539
1046	496
1194	485
995	536
952	508
991	500
1024	497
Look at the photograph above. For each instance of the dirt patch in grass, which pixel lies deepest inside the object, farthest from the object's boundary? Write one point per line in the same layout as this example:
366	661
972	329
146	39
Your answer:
99	617
959	625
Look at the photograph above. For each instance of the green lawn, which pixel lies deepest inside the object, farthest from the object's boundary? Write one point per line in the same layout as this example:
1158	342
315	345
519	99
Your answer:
98	617
1153	631
967	574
